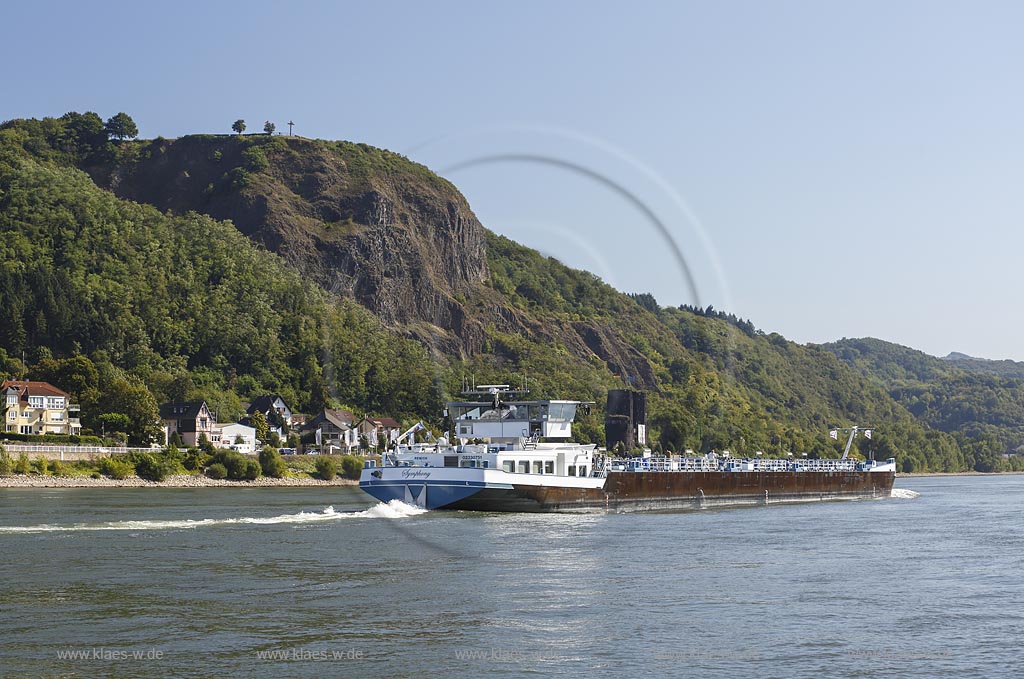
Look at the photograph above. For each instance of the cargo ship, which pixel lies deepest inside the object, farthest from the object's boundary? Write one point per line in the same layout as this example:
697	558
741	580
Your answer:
495	461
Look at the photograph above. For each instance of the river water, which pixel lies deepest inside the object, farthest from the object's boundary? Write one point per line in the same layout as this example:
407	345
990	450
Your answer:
314	582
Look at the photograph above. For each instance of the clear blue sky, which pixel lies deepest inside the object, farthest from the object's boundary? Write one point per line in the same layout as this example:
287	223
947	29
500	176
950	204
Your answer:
827	169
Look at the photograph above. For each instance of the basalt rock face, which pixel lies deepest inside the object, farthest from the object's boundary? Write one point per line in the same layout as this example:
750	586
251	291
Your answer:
361	222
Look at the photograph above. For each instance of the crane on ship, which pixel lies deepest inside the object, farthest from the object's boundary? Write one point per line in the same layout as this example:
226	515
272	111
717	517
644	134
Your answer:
834	433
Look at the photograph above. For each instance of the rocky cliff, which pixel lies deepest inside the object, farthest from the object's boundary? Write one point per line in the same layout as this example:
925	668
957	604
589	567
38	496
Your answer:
360	221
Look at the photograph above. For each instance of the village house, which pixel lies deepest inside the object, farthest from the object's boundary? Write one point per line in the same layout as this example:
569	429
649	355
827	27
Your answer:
191	419
38	408
379	431
235	436
333	428
279	416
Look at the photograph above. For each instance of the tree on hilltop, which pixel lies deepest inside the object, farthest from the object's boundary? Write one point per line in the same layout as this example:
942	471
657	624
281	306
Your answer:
269	127
121	127
238	126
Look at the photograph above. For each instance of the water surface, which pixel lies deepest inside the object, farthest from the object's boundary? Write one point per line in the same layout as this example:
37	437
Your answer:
313	582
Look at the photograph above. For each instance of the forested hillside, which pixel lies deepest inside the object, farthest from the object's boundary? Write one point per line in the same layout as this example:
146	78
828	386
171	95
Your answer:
980	402
335	273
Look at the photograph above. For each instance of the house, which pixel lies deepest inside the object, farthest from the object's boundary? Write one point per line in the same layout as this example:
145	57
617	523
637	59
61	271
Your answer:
38	408
277	412
334	428
379	431
235	436
191	419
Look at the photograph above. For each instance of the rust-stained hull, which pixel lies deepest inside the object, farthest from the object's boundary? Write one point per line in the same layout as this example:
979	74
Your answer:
665	491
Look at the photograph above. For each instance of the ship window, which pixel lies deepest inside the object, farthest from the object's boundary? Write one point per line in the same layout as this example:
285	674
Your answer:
583	470
508	466
572	470
524	466
549	466
538	467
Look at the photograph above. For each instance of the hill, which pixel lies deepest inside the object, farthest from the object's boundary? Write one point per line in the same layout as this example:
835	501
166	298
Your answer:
979	401
337	273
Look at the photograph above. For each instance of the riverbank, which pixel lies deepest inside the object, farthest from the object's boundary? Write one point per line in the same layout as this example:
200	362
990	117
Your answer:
177	481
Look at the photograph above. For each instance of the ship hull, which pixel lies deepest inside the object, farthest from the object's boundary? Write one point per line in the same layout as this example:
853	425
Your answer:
642	491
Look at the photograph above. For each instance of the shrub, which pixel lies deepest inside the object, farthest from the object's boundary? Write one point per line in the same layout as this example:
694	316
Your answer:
95	475
154	467
22	466
248	470
54	438
61	468
271	462
217	471
42	465
116	469
196	459
238	466
326	468
351	467
6	463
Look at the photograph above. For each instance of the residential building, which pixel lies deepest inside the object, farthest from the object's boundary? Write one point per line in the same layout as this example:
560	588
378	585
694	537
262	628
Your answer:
38	408
235	436
379	431
191	419
277	412
333	428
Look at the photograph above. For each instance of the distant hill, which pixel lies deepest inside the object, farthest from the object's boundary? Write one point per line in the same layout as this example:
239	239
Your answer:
1002	368
336	273
979	400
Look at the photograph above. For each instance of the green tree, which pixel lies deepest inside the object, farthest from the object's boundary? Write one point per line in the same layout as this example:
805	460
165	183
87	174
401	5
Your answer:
269	127
132	399
238	126
121	127
259	423
112	423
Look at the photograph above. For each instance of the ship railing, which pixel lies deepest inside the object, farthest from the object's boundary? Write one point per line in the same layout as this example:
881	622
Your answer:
846	465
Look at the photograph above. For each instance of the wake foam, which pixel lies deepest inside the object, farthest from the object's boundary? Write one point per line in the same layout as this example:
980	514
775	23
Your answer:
395	509
904	494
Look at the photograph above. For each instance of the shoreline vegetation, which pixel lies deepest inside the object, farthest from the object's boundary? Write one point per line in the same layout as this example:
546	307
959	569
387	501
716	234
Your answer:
169	467
174	481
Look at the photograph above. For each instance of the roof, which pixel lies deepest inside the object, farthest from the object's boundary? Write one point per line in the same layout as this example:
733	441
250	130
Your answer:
28	388
341	419
385	422
265	403
225	425
181	410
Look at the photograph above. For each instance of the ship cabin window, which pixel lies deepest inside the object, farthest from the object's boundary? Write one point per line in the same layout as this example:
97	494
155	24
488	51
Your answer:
583	470
508	466
524	466
572	470
538	467
549	466
467	463
561	412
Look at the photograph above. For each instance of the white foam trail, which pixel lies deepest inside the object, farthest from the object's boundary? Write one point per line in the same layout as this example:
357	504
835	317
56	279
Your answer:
396	509
904	494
